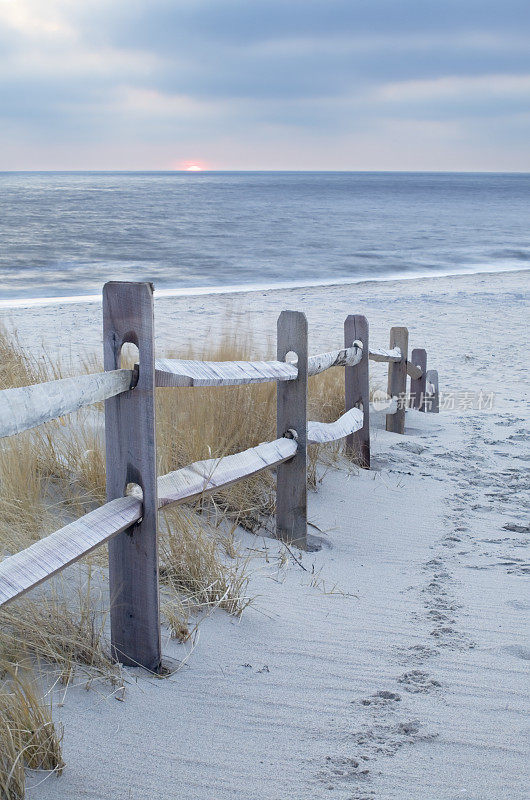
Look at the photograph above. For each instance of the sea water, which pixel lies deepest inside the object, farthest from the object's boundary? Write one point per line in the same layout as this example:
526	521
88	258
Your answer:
63	234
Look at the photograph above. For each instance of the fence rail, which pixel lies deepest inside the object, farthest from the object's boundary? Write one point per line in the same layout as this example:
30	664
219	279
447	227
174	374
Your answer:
128	520
30	406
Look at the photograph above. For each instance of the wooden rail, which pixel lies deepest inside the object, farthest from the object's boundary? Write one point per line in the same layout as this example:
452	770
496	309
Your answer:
392	355
349	423
38	562
128	520
174	372
29	406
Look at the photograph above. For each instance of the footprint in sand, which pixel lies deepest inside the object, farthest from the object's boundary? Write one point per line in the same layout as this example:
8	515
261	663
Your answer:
418	682
380	699
418	653
387	739
347	774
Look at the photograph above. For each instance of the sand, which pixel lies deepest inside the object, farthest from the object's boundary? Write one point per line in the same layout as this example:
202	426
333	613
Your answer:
394	666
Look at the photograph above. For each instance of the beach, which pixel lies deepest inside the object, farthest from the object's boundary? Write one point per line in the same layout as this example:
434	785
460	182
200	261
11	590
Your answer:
392	664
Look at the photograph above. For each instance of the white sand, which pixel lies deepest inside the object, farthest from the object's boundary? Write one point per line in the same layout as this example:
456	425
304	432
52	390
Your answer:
429	552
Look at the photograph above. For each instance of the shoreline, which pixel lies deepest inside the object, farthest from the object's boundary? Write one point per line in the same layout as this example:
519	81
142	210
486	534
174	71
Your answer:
207	291
447	316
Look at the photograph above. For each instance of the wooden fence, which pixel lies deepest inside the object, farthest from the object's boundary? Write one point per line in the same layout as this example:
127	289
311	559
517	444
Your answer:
128	520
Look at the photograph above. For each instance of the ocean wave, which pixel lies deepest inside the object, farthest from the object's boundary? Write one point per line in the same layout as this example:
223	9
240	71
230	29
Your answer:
195	291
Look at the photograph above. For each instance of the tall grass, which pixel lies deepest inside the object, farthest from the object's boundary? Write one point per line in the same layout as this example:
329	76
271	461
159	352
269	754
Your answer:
28	737
57	472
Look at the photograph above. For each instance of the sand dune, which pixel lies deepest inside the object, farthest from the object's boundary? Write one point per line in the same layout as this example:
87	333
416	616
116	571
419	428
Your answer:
393	665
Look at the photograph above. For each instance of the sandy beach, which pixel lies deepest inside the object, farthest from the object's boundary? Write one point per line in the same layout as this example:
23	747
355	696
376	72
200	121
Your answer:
392	664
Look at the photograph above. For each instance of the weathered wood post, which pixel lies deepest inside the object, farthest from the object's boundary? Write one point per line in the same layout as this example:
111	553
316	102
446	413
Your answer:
291	415
131	458
357	388
418	357
397	379
433	400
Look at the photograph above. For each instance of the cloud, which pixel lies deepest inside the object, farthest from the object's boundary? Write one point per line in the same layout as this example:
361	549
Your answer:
265	74
458	86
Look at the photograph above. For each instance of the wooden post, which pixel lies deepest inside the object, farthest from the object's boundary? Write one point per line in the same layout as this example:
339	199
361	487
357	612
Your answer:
433	400
131	458
291	480
397	380
417	386
357	389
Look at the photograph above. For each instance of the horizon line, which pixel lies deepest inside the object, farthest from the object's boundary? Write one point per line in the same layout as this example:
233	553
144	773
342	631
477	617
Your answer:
287	171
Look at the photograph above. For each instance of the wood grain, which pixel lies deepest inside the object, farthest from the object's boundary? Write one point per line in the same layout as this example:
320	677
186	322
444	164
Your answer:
347	357
176	372
291	415
131	458
357	389
204	477
172	372
23	571
397	379
28	406
418	358
380	354
348	423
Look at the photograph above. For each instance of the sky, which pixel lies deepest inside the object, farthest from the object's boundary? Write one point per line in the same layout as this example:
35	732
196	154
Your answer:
265	84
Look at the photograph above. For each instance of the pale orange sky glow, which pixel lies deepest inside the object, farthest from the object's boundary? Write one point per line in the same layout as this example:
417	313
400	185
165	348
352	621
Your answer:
192	166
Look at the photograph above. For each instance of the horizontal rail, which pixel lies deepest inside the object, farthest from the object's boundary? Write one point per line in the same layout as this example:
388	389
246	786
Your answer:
319	432
176	372
414	371
26	407
380	354
24	570
173	372
212	474
347	357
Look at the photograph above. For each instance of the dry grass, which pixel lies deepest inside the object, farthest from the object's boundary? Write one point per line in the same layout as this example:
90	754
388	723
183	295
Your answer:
64	627
56	472
28	737
202	567
216	421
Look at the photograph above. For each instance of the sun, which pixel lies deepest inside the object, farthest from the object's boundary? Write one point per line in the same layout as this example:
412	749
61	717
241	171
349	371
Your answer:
192	166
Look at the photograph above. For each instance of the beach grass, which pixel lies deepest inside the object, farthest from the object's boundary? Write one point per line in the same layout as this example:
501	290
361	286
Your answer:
28	736
55	473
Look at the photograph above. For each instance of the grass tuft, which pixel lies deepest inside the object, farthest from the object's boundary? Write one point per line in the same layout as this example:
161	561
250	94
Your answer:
28	737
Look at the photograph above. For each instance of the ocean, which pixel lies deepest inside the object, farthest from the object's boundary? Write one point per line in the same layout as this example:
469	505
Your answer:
63	234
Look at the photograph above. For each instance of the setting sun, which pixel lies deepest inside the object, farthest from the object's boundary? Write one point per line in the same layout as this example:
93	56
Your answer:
192	166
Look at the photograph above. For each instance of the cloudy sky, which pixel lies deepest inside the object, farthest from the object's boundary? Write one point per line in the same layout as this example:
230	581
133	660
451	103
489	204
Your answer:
265	84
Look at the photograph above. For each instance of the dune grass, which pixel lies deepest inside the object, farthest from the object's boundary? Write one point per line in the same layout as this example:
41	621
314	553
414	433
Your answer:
28	736
55	473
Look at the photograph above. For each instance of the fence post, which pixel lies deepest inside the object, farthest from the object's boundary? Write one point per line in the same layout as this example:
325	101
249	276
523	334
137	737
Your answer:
397	379
291	414
434	398
131	458
357	388
418	357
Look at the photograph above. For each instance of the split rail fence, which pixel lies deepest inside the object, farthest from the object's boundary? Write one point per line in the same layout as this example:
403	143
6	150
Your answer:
128	520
